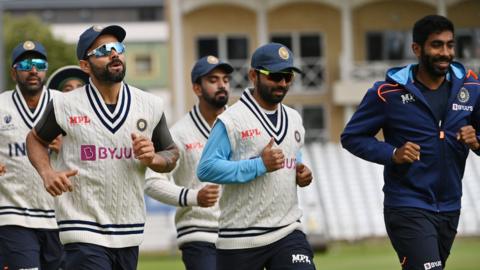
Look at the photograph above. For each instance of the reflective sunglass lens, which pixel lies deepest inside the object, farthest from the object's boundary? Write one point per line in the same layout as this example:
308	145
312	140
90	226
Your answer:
28	64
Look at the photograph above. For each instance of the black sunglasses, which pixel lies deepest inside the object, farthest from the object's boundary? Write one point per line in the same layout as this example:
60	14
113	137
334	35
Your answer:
278	76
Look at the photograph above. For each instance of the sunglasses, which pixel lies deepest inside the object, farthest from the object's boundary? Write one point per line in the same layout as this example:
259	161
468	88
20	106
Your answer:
278	76
106	49
28	64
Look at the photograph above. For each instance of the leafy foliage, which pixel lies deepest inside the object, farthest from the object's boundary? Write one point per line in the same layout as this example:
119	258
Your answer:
19	29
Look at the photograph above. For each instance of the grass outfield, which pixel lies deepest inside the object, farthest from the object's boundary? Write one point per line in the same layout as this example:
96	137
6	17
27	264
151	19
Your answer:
364	255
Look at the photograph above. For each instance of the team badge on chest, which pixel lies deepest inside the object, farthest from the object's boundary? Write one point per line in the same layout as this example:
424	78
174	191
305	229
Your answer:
463	95
142	124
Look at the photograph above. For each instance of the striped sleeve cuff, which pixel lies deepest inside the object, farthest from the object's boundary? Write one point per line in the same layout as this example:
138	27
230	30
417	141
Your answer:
188	197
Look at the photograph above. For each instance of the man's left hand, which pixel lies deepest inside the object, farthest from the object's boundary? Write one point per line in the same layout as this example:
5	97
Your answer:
143	149
468	136
304	175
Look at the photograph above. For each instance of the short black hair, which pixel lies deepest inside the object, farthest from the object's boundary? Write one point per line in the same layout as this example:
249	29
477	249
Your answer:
428	25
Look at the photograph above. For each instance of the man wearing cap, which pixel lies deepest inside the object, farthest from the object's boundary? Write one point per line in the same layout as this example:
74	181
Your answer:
254	151
113	131
197	213
67	78
28	229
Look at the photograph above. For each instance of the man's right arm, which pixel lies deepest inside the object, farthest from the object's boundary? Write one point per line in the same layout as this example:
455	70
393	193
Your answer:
161	187
358	137
215	165
37	150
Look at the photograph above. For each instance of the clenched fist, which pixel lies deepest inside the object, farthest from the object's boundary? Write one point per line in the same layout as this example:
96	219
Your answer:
408	153
304	175
468	136
143	149
208	195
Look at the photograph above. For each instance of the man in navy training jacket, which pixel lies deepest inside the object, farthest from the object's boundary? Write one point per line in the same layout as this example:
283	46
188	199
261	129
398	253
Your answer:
429	113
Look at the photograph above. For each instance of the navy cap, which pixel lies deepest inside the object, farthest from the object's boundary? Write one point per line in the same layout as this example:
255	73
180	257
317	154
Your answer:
206	64
273	57
88	37
28	46
59	77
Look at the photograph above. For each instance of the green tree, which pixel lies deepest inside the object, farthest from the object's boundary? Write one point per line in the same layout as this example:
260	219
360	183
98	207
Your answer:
19	29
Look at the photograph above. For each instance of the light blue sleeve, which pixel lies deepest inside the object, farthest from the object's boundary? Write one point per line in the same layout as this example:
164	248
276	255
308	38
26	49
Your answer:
299	157
215	165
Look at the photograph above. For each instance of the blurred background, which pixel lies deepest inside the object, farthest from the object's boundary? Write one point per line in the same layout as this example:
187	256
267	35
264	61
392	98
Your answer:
343	46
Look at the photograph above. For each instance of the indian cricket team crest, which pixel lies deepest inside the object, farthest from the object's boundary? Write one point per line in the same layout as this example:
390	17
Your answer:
283	53
212	60
297	136
463	95
28	45
141	124
97	28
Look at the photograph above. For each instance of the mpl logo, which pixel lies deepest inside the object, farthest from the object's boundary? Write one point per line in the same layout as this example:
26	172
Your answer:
78	120
193	146
432	265
300	258
408	98
90	152
250	133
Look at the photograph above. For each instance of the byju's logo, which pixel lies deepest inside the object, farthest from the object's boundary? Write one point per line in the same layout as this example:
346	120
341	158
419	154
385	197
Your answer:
300	258
88	152
432	265
91	152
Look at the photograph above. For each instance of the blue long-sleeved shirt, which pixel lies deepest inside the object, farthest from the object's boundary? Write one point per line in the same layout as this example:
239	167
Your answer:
215	165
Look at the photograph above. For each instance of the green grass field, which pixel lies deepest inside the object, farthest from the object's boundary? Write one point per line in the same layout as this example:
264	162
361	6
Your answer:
363	255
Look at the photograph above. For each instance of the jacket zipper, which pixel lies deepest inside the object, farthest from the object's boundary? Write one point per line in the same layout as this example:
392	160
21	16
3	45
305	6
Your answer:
441	136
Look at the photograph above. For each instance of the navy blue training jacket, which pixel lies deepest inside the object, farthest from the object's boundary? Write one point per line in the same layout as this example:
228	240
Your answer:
398	108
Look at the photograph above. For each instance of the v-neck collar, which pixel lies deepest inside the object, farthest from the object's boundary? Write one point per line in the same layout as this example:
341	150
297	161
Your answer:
111	120
30	117
200	122
278	131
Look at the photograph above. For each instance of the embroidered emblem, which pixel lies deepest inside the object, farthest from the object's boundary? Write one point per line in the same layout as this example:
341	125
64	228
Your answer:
212	60
463	95
297	136
28	45
141	124
283	53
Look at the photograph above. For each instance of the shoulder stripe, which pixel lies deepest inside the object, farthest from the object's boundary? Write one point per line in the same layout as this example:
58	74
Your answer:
380	93
472	73
472	83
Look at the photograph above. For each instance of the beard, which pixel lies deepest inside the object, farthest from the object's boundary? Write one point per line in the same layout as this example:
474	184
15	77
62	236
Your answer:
429	61
29	89
267	93
105	75
216	100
